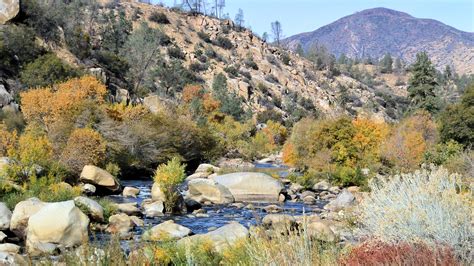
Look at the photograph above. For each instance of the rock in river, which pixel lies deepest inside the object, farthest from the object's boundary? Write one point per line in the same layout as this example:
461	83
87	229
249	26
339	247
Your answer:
99	178
220	238
202	190
250	187
166	231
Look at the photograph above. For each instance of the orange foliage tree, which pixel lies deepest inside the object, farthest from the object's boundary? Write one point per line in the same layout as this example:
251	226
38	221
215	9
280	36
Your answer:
84	146
409	140
48	105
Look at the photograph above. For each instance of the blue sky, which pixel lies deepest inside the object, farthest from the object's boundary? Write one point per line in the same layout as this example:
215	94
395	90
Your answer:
298	16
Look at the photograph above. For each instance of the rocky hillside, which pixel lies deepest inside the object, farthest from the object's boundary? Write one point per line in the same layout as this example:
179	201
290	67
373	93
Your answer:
266	77
374	32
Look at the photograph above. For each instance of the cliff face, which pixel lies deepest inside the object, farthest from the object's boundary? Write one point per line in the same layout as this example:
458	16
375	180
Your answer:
374	32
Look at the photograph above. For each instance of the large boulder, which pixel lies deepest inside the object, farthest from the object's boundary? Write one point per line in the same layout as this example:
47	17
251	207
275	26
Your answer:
94	209
99	178
220	238
8	10
156	193
343	200
202	190
22	213
57	225
5	216
248	186
168	230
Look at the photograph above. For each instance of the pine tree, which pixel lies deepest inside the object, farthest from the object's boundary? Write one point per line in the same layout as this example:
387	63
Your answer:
386	64
422	84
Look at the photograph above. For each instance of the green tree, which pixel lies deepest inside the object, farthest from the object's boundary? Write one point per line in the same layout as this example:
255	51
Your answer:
231	103
386	64
115	31
141	51
422	84
46	70
457	120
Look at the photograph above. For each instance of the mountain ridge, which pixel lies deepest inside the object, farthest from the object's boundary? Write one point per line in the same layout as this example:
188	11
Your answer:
371	32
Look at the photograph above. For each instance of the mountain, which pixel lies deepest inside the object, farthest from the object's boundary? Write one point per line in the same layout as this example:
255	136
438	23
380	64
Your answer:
267	78
374	32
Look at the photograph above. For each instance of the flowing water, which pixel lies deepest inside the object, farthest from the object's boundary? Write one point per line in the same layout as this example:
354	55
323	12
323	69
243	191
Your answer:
216	215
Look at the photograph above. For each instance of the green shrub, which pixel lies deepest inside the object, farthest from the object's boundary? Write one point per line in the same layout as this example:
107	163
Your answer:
443	152
110	208
158	17
285	58
46	70
204	36
198	67
249	62
112	62
169	176
272	79
175	52
17	48
425	205
224	42
232	71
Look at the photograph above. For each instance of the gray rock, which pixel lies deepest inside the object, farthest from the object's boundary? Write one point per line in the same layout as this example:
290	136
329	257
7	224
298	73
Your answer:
343	200
8	10
88	189
5	97
278	220
322	186
5	216
272	209
207	168
307	193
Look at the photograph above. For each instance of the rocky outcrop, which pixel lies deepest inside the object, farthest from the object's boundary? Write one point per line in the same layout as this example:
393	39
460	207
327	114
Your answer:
99	178
168	230
220	238
94	209
22	213
57	225
247	186
8	10
5	216
203	190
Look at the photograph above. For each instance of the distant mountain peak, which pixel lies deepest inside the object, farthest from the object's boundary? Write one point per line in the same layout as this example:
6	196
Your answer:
374	32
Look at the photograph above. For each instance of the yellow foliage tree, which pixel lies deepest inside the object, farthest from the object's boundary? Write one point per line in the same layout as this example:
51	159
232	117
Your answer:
289	155
368	139
47	105
32	151
7	140
84	146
